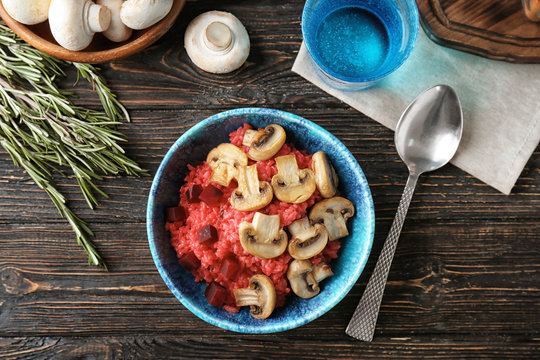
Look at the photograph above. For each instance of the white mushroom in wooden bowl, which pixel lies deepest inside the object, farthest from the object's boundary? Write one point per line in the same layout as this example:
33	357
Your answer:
117	30
28	12
74	22
141	14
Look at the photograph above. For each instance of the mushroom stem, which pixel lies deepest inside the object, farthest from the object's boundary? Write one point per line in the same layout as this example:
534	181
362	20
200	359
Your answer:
218	37
246	297
99	17
321	271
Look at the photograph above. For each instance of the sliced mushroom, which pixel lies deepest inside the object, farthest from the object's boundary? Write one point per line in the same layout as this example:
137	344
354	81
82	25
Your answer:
140	14
306	240
291	184
260	296
305	277
333	213
251	193
224	161
265	143
325	175
28	12
73	23
262	237
117	31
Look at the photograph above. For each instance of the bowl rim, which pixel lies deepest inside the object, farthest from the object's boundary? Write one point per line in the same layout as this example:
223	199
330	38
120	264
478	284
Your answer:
265	328
130	47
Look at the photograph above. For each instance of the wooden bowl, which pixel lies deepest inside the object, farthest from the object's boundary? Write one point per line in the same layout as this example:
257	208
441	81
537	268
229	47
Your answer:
101	49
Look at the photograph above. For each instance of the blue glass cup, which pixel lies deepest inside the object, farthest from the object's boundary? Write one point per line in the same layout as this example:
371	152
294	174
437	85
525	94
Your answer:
354	43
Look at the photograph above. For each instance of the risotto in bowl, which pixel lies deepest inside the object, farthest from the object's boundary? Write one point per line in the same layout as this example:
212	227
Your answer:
259	220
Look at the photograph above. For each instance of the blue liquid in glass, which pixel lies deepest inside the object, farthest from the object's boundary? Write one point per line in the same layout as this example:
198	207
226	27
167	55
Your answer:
352	41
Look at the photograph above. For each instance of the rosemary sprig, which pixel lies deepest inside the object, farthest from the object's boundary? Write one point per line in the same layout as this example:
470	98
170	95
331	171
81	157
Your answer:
44	132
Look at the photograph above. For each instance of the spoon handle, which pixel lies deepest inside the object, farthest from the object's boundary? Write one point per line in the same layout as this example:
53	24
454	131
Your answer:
364	319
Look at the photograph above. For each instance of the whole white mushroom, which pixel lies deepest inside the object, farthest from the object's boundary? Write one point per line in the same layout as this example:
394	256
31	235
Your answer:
217	42
74	22
117	31
28	12
140	14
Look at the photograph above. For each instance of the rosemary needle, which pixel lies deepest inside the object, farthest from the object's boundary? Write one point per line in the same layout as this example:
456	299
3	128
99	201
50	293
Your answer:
44	132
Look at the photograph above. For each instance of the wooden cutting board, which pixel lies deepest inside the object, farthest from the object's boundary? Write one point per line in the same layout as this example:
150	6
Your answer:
496	29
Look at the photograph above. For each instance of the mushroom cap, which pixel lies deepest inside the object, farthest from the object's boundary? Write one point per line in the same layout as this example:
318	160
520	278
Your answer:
291	184
263	237
224	161
28	12
333	213
306	240
140	14
301	279
73	23
325	175
260	296
265	143
251	193
217	42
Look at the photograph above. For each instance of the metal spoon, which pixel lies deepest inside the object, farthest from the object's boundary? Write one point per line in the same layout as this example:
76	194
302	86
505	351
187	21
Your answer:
427	137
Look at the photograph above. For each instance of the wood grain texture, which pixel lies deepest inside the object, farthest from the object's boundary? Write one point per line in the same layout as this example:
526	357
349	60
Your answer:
464	283
496	29
255	347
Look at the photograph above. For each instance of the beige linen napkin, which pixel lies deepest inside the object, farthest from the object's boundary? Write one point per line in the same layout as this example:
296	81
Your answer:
501	105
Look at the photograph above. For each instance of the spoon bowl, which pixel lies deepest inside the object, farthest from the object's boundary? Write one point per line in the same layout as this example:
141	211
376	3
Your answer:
429	130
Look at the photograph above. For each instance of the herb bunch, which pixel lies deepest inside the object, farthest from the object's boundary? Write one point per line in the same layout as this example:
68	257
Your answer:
44	132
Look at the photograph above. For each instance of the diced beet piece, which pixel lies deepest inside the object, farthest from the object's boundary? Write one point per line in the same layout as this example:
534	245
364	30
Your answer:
207	234
230	267
193	192
211	195
173	214
215	294
189	261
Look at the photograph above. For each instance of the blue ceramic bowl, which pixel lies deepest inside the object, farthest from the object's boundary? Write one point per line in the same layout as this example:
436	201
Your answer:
192	147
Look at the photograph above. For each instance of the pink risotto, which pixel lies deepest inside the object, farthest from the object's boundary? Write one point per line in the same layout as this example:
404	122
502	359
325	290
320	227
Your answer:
226	220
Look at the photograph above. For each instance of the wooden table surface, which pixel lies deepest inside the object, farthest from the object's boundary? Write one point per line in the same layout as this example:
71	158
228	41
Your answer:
465	281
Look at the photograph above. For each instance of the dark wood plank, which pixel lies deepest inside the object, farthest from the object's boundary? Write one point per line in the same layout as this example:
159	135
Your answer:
447	278
236	346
